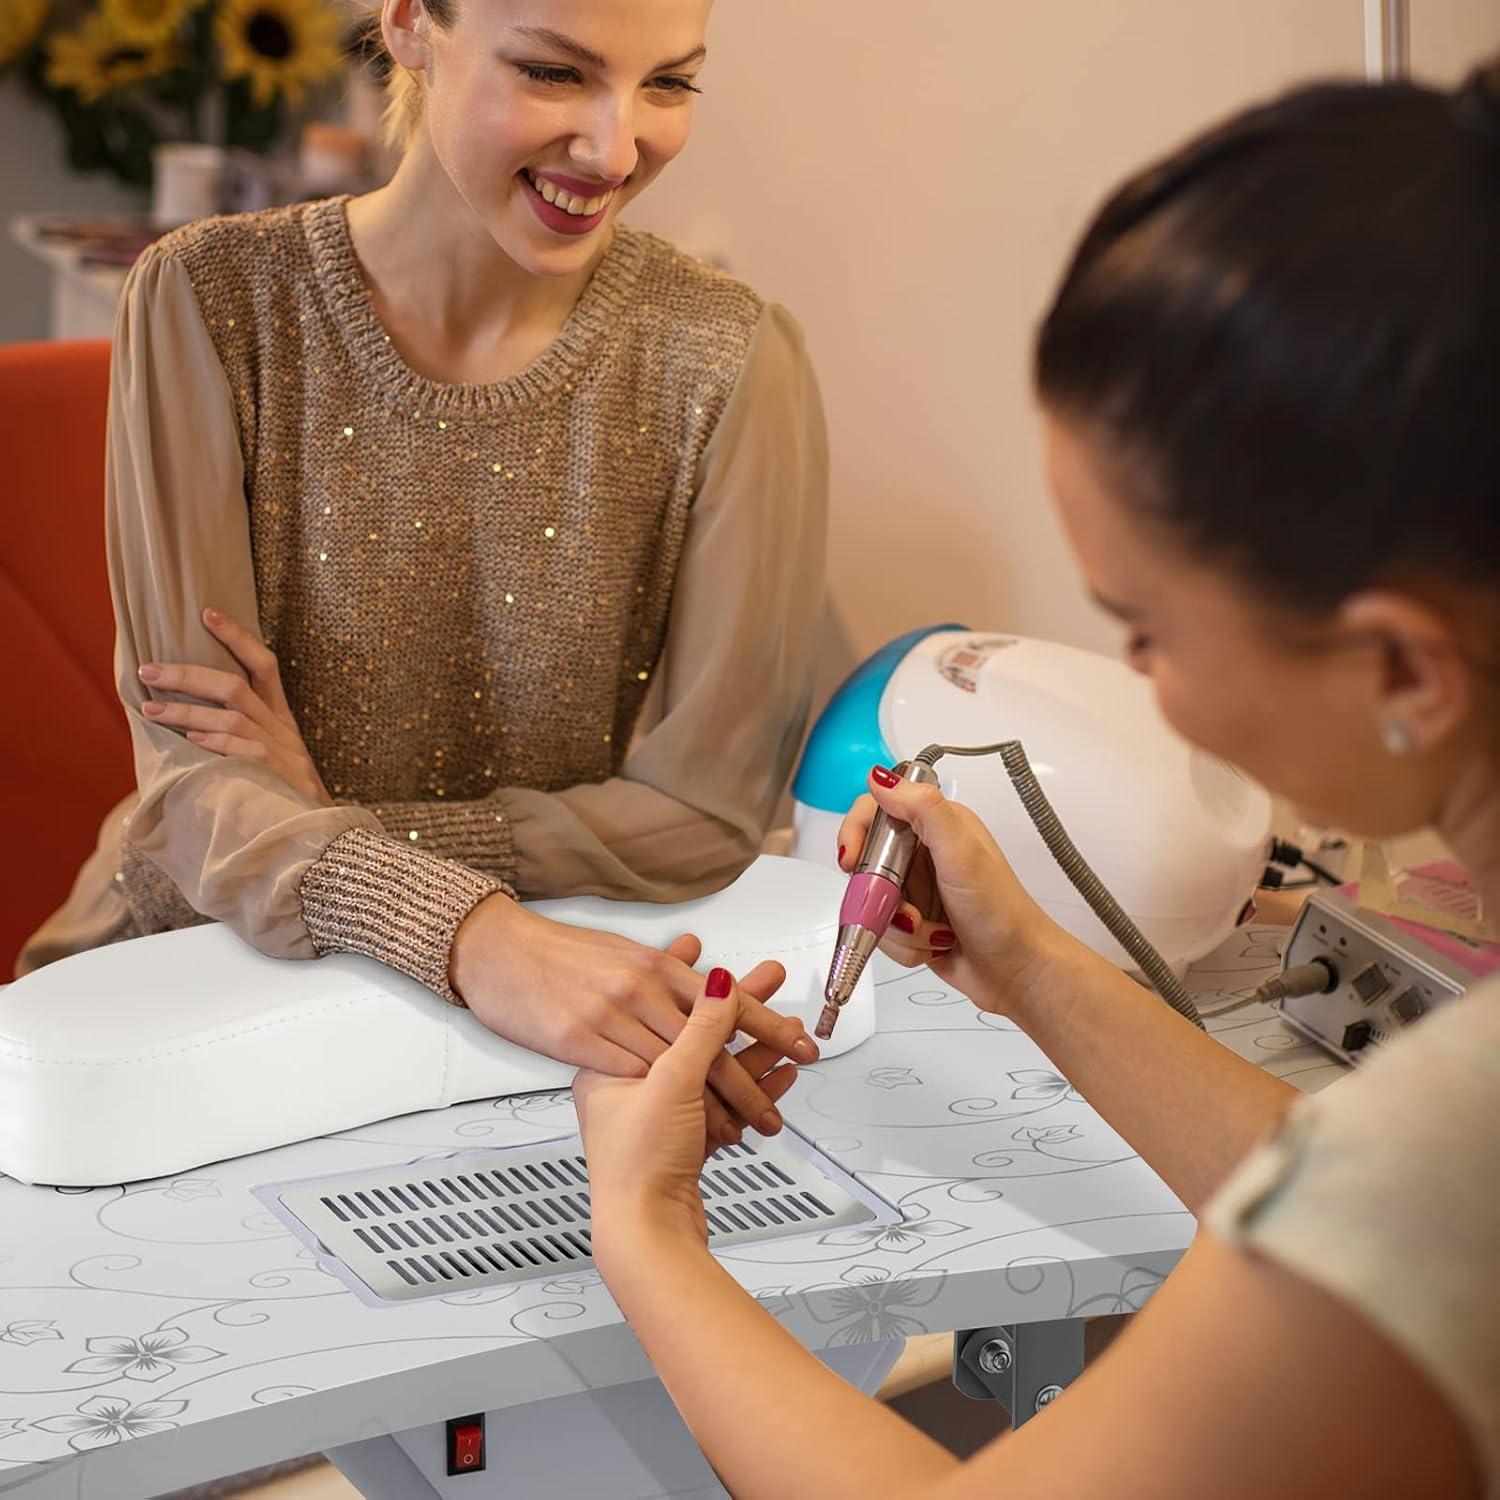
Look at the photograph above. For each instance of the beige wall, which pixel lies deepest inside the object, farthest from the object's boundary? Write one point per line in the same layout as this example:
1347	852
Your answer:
908	179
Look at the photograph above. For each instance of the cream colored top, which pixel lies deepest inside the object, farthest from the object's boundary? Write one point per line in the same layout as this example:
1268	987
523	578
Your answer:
1384	1190
557	632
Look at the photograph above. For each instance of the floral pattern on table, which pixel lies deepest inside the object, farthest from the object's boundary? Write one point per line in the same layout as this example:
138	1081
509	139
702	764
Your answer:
138	1314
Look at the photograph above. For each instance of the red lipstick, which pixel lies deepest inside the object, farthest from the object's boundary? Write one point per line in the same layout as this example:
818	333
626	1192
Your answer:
559	220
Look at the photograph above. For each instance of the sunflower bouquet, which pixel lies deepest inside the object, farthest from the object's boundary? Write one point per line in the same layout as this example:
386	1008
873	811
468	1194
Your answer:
123	75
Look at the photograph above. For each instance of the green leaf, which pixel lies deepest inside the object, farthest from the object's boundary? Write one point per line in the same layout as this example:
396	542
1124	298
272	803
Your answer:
182	87
128	136
247	124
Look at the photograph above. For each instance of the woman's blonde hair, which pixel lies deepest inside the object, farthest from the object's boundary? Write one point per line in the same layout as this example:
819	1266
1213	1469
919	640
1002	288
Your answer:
403	93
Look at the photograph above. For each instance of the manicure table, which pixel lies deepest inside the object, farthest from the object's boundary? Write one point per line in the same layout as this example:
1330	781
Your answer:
157	1335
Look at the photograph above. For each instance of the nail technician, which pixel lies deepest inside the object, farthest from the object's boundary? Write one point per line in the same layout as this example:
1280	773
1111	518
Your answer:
1270	381
464	542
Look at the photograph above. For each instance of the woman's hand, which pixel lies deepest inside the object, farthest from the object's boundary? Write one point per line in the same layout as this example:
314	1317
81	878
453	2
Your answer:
647	1138
613	1006
249	719
990	936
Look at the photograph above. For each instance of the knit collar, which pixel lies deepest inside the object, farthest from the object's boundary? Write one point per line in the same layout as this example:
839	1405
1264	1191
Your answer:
599	314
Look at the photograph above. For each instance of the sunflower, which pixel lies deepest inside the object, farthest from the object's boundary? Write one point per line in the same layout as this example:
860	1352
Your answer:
20	21
145	22
95	59
278	46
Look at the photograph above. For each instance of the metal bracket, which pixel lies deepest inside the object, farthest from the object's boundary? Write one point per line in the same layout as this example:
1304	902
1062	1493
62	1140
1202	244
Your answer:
1023	1366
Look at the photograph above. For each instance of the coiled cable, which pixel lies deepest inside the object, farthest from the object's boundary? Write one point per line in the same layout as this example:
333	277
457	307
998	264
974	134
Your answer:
1072	863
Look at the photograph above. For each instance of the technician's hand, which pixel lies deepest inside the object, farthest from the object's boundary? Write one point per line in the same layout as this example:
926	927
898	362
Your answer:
604	1003
249	719
992	935
646	1138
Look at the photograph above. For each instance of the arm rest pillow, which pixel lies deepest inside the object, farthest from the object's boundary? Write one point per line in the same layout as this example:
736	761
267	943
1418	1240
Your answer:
154	1056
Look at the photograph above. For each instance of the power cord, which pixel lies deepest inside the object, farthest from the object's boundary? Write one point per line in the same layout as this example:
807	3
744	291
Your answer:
1288	854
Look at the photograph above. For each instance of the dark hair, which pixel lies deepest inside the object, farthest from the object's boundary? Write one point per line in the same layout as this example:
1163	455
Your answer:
1287	336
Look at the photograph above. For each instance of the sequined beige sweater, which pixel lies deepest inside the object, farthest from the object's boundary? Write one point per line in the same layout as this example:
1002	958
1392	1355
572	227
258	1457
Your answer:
554	633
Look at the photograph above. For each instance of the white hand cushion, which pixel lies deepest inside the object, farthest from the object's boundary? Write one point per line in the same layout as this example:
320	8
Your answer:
154	1056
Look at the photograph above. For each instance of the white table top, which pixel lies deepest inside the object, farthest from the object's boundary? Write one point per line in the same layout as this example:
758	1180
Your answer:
26	231
168	1332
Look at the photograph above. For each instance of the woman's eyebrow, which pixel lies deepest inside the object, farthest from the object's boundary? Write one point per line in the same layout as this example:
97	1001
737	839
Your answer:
563	43
696	55
551	38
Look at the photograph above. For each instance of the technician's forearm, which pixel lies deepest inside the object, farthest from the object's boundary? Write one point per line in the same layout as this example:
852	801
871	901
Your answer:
772	1418
1184	1101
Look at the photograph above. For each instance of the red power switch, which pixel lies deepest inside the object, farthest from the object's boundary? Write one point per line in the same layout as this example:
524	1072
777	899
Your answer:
466	1444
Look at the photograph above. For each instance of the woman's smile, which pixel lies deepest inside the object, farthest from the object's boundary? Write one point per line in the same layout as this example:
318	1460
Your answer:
567	205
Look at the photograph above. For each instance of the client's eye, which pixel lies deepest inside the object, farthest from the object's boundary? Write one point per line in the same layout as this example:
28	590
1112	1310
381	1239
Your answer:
672	83
545	73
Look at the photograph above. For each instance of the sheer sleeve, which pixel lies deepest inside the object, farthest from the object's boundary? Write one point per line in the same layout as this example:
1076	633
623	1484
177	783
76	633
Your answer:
292	878
692	801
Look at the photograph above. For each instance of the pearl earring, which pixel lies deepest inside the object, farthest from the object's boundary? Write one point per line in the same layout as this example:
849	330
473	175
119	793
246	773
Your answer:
1395	735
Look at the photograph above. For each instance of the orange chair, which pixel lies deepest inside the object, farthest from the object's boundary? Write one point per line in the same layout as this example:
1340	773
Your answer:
64	748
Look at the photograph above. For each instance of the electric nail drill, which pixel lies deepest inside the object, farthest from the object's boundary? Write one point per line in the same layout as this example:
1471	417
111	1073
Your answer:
872	898
891	846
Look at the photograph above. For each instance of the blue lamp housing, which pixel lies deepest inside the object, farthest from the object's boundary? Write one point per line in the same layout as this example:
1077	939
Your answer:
847	740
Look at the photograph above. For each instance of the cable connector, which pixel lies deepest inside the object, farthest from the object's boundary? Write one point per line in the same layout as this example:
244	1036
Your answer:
1316	977
1283	853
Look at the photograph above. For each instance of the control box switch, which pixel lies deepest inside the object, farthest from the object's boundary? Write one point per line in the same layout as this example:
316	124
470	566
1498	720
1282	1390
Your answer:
466	1444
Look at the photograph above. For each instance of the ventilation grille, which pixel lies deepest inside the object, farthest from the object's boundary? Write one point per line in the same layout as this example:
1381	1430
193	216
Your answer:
487	1218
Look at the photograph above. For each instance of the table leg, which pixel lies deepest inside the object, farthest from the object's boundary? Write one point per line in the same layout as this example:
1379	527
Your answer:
1023	1366
380	1470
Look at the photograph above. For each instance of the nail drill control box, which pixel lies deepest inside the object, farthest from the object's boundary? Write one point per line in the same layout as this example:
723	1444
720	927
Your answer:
1385	977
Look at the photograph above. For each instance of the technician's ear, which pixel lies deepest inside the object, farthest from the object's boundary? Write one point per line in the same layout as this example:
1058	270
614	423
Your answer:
1422	690
406	27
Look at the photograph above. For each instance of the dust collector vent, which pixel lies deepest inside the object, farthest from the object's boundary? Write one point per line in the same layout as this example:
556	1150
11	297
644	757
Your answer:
486	1218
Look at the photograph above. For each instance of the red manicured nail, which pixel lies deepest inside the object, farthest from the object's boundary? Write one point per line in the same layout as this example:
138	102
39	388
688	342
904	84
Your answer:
841	855
720	982
942	938
884	777
903	923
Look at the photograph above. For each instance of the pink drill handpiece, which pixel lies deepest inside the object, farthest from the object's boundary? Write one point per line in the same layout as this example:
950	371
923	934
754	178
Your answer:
872	898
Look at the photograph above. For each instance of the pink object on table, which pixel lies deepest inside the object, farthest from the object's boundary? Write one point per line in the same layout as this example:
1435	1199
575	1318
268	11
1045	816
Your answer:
1479	958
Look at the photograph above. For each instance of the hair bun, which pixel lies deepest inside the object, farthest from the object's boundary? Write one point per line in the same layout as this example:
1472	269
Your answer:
1476	103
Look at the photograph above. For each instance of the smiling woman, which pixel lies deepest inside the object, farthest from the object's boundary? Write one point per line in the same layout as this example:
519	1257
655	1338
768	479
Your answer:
485	87
464	541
